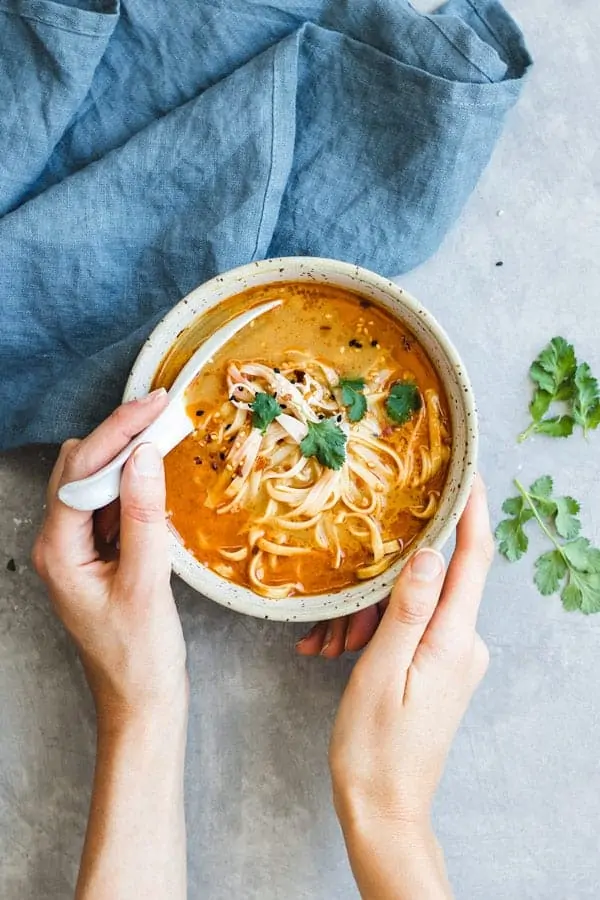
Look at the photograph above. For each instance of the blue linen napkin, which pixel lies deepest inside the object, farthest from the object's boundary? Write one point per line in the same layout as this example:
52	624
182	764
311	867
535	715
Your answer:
147	146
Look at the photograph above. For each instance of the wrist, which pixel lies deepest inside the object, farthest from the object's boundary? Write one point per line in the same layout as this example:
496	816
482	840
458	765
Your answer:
374	834
152	718
361	814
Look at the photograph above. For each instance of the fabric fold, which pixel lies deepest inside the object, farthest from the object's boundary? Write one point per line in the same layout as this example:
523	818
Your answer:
49	53
151	148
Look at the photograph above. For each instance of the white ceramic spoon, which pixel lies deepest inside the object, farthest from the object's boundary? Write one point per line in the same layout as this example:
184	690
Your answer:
171	426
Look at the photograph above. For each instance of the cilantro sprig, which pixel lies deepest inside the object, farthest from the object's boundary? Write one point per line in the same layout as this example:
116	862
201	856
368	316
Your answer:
557	378
326	442
403	401
572	568
353	397
265	409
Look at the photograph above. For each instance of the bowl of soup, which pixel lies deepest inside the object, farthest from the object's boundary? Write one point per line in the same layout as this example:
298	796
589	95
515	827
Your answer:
333	437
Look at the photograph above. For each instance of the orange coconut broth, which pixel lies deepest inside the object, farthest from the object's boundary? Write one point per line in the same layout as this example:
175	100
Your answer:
352	336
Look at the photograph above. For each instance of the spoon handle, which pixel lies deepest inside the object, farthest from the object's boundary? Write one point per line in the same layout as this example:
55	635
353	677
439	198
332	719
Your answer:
166	431
100	489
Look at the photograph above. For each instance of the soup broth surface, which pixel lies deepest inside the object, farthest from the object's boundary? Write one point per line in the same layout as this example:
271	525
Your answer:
253	506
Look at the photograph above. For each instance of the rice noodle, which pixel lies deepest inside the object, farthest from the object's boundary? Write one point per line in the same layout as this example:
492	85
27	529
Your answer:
296	504
234	555
428	511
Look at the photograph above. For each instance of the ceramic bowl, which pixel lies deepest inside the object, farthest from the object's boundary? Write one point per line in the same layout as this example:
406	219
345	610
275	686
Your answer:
442	354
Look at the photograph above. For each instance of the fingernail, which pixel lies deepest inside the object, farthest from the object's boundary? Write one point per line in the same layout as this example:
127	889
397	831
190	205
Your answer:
152	396
147	461
112	533
426	565
348	630
327	641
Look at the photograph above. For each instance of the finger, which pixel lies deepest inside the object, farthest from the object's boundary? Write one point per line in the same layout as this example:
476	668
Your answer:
335	638
468	569
57	471
107	522
43	553
72	528
312	643
144	560
109	438
362	625
412	604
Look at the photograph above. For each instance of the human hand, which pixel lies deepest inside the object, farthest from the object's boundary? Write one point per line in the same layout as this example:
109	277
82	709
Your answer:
334	636
408	693
120	612
346	633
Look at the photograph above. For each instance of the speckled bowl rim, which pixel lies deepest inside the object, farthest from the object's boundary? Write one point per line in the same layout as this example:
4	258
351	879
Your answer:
427	330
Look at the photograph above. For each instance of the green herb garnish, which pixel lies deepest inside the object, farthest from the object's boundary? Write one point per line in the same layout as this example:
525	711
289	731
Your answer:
265	409
327	442
403	401
353	397
558	378
586	404
573	566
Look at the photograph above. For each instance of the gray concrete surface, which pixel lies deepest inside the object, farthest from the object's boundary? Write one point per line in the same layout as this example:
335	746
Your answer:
518	810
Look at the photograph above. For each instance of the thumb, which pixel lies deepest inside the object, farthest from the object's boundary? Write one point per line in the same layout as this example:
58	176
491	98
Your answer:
412	604
144	557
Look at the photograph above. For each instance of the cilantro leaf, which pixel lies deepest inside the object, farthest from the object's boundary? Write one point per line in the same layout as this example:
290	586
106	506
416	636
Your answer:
550	569
355	384
554	366
540	404
265	409
587	397
540	493
542	487
587	585
327	442
557	426
571	598
353	397
512	506
594	417
403	401
512	540
566	522
582	556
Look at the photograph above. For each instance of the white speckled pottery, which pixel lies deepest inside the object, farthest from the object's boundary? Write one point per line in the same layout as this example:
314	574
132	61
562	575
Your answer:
441	352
